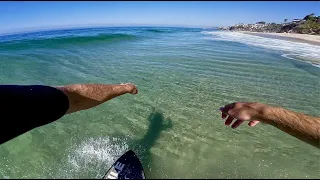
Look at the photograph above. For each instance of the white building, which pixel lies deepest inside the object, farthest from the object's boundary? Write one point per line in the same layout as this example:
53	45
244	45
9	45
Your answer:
297	20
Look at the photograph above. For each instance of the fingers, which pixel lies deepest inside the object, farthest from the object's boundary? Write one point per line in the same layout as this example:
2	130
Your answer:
234	112
226	108
237	123
131	88
223	115
135	91
228	121
253	123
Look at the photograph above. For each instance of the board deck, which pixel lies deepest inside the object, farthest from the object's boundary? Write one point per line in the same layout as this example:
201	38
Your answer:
127	166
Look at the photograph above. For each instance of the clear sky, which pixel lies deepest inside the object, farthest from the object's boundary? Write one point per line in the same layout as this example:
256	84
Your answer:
21	16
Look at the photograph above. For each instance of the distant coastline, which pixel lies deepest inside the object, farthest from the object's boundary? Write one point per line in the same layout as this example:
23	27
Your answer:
306	30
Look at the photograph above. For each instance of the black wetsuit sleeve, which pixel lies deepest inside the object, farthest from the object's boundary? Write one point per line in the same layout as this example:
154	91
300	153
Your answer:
23	108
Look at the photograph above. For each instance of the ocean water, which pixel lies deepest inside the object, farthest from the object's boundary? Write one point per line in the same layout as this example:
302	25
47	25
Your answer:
183	75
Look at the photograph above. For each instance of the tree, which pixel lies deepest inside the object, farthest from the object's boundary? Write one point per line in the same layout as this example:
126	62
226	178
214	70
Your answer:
285	20
310	17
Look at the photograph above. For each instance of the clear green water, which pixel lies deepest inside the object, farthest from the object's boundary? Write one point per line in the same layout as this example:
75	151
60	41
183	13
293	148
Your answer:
183	77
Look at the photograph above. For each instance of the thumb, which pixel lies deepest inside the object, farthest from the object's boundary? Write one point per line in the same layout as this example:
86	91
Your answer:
253	123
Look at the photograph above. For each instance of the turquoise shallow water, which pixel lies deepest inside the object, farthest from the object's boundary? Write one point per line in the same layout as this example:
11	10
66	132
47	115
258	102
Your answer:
183	76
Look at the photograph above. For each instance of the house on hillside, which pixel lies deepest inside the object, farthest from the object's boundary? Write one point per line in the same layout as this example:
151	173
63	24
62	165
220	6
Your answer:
297	20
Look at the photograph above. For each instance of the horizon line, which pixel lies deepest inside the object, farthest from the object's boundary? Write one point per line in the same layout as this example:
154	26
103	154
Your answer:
43	29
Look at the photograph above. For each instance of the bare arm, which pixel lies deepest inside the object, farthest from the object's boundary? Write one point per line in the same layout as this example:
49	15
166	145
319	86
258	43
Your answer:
85	96
25	107
301	126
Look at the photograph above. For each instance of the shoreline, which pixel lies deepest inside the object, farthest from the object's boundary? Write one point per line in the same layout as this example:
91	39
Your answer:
301	38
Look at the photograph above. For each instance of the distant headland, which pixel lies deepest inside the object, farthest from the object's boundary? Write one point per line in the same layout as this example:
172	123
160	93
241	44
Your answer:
310	25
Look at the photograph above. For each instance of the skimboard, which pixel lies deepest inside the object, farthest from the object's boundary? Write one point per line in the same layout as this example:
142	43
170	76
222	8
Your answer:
127	166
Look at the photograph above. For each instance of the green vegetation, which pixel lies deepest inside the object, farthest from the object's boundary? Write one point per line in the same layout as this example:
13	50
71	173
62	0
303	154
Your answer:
310	25
310	17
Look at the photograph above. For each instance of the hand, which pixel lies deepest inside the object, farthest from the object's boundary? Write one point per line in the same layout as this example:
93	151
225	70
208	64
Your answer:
131	88
242	111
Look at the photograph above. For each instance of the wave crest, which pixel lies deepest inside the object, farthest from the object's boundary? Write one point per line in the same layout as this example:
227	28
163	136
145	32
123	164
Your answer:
67	40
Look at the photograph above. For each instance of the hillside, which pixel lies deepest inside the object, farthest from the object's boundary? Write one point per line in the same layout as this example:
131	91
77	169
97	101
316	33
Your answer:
310	24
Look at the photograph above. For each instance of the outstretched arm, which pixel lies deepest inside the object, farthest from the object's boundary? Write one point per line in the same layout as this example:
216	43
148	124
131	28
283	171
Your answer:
24	108
85	96
301	126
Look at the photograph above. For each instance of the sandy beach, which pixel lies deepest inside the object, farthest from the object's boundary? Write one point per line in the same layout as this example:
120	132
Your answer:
303	38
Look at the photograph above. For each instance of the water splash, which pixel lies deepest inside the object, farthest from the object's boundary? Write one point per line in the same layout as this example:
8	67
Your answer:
93	157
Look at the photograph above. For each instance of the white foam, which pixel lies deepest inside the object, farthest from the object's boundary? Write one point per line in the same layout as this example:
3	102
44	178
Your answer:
316	65
93	157
301	51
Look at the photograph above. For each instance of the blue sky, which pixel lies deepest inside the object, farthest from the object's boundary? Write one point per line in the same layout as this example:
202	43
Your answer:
24	16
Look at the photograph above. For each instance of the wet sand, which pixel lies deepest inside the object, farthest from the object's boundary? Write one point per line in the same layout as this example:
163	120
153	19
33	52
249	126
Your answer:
303	38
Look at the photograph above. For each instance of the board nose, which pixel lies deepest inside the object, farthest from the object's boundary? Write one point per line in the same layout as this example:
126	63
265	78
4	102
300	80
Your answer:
131	153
